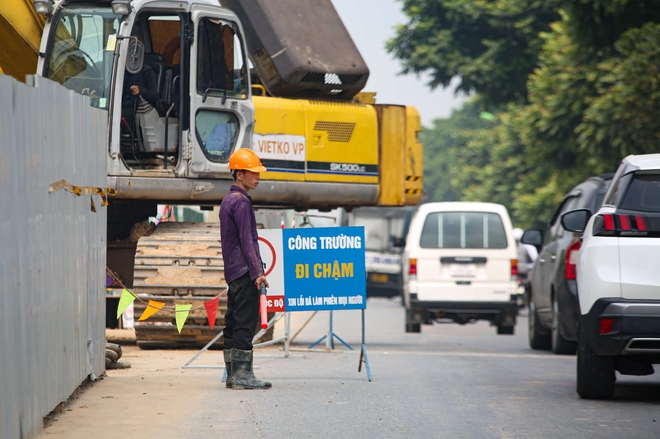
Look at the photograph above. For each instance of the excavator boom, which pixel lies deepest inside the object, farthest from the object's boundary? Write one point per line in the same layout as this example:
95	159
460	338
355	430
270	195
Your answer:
20	33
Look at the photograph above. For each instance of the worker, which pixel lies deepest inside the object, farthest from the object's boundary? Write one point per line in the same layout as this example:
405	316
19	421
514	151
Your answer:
141	84
244	270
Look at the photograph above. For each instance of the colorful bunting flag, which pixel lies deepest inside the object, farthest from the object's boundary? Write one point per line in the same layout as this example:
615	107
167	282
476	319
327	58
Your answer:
124	301
181	311
181	315
212	310
151	309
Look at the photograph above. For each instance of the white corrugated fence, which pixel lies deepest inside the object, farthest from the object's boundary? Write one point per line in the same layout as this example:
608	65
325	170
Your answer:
52	250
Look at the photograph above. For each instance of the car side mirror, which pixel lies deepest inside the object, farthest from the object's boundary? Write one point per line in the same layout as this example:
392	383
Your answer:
575	220
533	237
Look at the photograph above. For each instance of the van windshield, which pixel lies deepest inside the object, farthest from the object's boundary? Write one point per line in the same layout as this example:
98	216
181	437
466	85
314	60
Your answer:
463	230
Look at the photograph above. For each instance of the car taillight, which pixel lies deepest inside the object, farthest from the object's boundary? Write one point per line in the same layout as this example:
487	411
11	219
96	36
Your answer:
571	260
608	221
640	223
606	325
412	270
514	269
617	224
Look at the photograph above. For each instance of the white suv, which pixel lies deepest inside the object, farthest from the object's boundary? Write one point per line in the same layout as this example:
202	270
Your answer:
618	279
460	265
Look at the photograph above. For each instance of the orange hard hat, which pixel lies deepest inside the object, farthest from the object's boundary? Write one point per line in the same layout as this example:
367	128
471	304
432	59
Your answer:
245	158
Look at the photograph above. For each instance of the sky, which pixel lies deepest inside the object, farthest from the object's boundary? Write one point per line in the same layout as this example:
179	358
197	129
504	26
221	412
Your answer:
370	23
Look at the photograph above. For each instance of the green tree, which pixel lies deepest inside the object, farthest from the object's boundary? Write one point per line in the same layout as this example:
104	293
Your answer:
491	46
591	97
586	112
596	25
624	115
492	166
442	142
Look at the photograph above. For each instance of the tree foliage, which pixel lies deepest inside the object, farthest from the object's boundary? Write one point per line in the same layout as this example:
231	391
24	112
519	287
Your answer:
596	25
492	46
442	145
591	97
624	115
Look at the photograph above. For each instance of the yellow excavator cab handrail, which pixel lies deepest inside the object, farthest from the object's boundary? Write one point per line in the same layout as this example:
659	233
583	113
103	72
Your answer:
261	89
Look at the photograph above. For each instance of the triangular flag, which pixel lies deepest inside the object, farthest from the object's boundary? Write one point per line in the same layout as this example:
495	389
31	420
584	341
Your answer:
108	281
124	301
181	315
151	309
212	310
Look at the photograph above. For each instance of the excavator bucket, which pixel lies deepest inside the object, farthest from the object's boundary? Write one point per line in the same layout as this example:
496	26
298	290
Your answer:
301	48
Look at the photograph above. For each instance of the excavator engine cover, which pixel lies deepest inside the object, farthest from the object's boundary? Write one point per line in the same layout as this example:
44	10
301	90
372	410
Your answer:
301	48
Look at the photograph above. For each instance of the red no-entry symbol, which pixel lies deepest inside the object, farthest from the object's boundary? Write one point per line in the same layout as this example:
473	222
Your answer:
272	251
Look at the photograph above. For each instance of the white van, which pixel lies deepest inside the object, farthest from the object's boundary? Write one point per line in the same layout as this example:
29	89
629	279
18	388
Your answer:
460	265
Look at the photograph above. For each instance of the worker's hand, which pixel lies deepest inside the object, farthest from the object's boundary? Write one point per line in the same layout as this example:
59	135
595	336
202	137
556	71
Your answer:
135	89
261	279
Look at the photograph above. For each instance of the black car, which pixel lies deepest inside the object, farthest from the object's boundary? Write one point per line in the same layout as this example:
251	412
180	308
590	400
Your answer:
551	288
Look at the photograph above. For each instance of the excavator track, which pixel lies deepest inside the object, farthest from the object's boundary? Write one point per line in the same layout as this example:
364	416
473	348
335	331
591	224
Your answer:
180	263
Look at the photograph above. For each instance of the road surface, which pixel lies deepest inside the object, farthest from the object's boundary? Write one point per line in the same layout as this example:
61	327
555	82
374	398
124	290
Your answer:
450	381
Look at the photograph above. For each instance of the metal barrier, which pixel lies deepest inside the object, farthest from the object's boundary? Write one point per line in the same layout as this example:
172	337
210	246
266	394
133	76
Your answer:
52	250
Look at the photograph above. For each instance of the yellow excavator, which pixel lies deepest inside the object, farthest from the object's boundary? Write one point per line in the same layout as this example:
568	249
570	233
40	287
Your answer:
282	78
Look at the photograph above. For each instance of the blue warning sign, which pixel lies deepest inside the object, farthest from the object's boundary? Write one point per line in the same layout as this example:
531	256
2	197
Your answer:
324	269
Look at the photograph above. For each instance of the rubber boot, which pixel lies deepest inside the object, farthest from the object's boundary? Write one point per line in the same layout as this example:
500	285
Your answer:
229	344
241	366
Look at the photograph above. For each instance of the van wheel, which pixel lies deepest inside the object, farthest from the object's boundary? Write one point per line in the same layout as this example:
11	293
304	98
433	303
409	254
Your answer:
410	325
560	345
536	339
595	373
505	330
413	327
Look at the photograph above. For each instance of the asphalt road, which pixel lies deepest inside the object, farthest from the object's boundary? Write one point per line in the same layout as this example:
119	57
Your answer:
448	381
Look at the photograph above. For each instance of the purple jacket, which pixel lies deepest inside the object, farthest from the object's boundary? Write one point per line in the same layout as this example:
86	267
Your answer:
238	236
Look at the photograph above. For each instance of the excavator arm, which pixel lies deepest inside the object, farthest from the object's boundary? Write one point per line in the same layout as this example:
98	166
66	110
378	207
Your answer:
20	33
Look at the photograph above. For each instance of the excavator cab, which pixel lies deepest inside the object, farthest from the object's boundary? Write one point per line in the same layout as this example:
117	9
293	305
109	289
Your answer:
150	119
76	55
188	60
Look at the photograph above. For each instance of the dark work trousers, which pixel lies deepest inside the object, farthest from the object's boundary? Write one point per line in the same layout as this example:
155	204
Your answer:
242	312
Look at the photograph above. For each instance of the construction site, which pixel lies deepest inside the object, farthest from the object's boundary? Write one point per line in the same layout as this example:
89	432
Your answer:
92	178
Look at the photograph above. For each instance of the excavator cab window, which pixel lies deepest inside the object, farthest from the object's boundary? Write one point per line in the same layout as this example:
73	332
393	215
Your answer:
161	36
221	73
78	56
221	69
150	118
216	133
